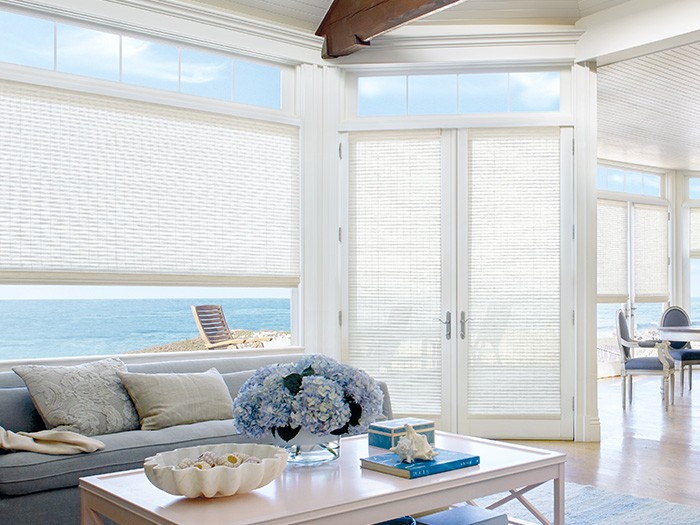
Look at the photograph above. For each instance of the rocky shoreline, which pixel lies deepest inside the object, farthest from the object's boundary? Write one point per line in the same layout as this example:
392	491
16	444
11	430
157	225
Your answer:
279	339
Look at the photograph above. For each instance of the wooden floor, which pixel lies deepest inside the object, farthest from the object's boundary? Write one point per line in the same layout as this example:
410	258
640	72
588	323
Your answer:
644	450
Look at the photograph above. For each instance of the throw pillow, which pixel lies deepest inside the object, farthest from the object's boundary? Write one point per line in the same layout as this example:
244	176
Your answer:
235	380
165	400
88	399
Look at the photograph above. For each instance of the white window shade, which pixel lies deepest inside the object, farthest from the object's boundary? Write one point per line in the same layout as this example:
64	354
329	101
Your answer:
694	232
394	265
514	293
103	188
650	235
613	277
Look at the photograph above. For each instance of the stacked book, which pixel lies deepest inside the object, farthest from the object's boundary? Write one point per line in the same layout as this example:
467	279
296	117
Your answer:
446	460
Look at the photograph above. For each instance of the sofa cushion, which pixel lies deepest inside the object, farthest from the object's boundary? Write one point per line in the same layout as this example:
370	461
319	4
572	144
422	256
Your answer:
234	380
17	411
166	400
88	399
27	472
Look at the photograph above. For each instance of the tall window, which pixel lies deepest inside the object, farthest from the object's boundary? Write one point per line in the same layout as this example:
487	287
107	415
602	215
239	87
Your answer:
693	203
633	255
107	191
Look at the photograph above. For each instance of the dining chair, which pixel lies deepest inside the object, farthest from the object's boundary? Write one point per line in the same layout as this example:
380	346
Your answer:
662	364
682	353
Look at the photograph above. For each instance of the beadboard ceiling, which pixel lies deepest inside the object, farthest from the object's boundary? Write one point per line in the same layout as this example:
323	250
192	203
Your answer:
649	109
307	14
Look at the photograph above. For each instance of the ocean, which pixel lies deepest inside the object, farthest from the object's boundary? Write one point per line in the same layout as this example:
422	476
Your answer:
647	316
58	328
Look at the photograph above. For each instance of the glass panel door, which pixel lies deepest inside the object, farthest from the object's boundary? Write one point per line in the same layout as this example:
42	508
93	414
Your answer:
395	267
516	353
428	234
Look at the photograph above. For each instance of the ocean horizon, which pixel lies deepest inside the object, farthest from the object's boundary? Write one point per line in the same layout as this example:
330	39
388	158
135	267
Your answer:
647	316
61	328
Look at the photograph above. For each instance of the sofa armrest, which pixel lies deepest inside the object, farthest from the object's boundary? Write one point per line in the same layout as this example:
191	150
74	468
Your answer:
386	407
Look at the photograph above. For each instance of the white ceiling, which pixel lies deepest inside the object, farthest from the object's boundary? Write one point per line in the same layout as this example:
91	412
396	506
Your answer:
307	14
649	110
649	107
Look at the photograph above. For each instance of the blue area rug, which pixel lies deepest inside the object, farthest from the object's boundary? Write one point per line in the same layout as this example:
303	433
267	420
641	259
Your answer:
586	505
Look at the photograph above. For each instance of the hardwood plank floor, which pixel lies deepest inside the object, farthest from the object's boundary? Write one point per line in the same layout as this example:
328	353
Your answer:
643	450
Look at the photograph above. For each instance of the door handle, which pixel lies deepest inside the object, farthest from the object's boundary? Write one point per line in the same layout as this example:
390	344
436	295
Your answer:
463	324
448	325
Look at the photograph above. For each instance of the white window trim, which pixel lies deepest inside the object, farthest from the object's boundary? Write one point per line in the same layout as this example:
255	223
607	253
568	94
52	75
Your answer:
353	122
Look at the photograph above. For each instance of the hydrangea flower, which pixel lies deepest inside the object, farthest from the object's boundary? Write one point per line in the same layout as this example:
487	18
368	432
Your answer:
316	393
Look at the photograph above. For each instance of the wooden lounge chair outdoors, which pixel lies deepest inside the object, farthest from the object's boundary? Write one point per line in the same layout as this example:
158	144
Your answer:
215	332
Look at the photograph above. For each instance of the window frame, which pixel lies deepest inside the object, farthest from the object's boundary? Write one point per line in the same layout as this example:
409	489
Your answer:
287	71
355	122
631	199
289	114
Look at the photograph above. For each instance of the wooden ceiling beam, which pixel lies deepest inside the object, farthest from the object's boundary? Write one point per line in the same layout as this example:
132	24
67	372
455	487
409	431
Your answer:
349	25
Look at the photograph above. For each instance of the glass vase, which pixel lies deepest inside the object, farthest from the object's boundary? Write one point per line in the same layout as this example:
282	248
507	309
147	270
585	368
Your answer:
307	449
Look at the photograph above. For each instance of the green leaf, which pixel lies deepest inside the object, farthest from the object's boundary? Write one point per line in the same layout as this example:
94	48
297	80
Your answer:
287	433
308	371
292	382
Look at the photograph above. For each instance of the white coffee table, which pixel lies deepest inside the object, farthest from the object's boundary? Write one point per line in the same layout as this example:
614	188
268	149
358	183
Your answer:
339	493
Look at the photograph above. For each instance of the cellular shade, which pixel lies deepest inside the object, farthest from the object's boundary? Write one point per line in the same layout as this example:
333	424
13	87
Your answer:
613	279
394	262
513	273
103	187
694	232
650	253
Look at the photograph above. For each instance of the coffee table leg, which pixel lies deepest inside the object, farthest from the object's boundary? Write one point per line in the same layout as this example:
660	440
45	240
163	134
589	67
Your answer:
89	516
559	498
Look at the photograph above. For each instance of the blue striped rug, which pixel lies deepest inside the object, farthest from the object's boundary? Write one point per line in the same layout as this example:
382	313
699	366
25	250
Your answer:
586	505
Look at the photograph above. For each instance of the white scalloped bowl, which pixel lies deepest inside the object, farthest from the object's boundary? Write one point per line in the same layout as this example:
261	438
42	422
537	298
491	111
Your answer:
218	481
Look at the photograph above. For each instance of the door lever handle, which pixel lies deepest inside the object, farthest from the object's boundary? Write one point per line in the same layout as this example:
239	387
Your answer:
448	324
463	325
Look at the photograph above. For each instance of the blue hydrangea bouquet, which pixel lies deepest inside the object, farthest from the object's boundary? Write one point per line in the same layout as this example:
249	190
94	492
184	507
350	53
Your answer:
316	394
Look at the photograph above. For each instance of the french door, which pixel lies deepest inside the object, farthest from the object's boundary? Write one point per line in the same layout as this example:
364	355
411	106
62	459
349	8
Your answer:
455	294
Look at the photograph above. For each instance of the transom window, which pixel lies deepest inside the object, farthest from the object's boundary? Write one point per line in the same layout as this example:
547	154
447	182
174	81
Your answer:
78	50
694	188
452	94
612	178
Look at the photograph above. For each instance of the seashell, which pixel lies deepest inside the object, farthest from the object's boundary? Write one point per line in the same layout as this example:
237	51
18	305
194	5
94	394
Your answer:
234	459
185	463
413	446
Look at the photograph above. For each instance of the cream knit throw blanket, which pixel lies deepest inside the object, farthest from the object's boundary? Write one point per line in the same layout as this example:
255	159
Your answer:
48	442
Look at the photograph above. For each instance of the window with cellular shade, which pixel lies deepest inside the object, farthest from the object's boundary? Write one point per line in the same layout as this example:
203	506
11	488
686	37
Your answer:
613	277
514	237
650	234
108	189
394	262
694	232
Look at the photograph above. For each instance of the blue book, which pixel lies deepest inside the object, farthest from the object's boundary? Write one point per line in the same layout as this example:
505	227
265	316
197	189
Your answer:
445	460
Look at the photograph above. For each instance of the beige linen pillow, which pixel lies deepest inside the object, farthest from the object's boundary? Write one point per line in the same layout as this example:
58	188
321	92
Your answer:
88	399
166	400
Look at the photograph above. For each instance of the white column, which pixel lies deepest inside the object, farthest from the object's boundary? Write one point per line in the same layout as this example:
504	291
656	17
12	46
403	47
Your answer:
587	424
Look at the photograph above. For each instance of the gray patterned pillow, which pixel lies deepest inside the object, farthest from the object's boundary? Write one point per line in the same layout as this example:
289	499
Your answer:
89	398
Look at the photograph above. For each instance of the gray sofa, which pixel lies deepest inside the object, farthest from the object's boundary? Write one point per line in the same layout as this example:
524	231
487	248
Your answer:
37	489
